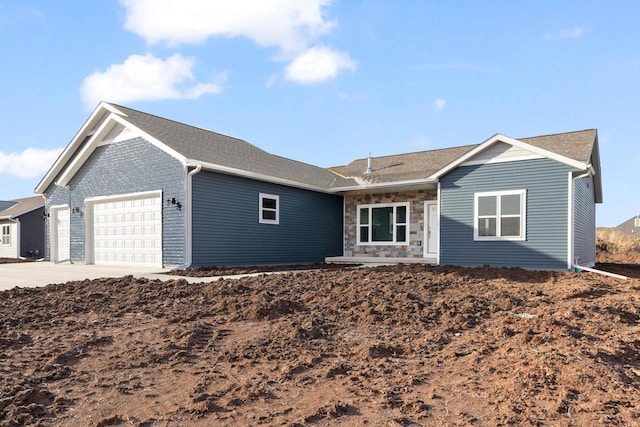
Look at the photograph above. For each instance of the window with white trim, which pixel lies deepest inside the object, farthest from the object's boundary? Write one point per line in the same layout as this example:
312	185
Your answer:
500	215
269	209
383	224
6	235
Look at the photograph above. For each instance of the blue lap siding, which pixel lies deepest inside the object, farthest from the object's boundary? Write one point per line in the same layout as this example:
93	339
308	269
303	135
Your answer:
227	232
584	226
126	167
545	247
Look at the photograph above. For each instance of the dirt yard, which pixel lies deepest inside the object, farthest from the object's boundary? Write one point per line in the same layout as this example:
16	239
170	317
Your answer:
405	345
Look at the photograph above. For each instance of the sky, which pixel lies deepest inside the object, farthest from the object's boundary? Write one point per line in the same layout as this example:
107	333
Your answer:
327	82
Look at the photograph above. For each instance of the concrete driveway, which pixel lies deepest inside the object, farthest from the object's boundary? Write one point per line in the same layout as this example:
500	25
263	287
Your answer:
34	274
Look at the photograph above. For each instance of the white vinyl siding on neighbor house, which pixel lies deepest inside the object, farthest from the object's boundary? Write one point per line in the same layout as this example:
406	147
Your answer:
500	215
269	209
383	224
6	235
8	244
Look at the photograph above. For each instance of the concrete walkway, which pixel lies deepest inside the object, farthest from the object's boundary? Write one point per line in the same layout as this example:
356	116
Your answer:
37	274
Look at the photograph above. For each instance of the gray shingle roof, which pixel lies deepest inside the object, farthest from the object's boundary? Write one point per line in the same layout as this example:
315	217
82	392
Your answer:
206	146
576	145
419	165
22	206
402	167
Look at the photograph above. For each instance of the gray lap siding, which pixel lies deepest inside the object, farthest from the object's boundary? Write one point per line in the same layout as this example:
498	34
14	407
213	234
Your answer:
126	167
226	229
545	247
584	226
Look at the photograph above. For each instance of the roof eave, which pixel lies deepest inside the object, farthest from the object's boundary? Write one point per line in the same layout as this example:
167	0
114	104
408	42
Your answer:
386	185
227	170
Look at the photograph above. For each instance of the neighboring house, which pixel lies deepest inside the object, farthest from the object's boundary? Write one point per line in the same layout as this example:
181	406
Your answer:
133	188
22	228
631	227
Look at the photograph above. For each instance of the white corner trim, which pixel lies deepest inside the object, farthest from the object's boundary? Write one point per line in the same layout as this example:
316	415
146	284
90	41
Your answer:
570	237
439	225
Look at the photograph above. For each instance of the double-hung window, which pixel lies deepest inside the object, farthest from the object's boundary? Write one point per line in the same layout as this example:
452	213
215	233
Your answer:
6	235
500	215
383	224
269	209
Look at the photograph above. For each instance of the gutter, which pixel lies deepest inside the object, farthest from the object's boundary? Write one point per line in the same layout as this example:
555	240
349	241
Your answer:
188	215
578	268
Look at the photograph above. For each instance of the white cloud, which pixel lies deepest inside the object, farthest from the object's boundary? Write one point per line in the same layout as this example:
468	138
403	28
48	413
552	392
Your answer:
287	24
565	33
146	78
318	64
291	26
439	104
30	163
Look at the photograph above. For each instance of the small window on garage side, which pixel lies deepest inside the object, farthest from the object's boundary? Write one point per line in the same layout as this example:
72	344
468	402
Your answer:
6	235
269	209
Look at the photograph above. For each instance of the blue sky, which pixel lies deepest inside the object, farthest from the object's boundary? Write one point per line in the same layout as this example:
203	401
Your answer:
326	82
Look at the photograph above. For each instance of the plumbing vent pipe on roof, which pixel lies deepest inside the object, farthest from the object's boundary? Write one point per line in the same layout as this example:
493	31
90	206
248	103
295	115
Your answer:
369	166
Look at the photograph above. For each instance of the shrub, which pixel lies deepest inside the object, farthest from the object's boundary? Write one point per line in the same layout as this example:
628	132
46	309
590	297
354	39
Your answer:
614	241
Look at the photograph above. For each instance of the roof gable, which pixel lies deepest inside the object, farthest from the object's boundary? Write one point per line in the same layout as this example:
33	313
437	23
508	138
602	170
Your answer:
22	206
192	146
572	149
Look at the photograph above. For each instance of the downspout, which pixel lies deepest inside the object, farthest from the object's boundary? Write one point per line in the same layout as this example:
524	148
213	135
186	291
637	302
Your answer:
572	180
188	215
604	273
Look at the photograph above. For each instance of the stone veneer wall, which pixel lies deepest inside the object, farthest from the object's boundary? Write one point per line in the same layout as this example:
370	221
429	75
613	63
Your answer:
416	201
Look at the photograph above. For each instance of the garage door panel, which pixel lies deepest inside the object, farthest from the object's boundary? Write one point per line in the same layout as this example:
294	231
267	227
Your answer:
128	231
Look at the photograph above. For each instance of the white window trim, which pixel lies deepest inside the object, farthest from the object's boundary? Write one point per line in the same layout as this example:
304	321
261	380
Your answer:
383	205
261	209
498	194
7	235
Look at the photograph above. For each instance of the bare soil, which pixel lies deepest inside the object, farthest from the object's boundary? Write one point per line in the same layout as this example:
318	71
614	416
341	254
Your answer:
403	345
215	271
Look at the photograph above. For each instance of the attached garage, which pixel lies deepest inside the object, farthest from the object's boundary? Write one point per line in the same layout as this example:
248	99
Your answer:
125	230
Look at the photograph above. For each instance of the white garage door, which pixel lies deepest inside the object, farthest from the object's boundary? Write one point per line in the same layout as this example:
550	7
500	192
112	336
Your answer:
128	231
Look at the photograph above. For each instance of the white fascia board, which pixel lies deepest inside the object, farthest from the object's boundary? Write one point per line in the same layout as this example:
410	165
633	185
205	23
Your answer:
256	176
102	131
154	141
69	150
502	138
